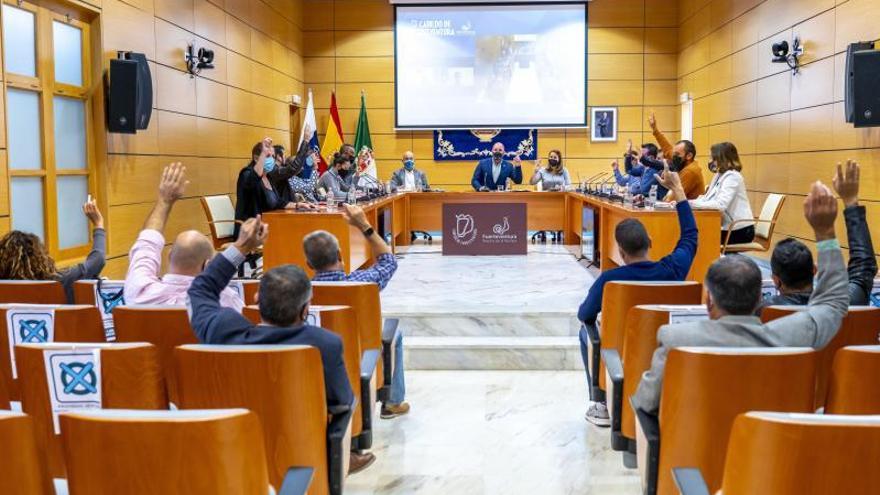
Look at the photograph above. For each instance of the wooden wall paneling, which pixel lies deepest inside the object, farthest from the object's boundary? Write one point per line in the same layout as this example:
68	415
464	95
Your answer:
210	21
622	13
4	189
813	85
622	40
179	12
359	15
125	171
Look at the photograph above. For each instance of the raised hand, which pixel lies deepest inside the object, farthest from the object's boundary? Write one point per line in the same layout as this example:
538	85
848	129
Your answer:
615	165
173	182
517	161
820	210
91	211
652	121
846	183
629	146
538	165
355	216
251	235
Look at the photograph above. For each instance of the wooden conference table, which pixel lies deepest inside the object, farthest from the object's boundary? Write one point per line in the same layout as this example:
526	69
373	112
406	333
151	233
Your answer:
399	214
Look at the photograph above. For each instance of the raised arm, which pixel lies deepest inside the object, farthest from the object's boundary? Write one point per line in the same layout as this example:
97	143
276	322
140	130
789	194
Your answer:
618	177
682	256
662	142
829	303
862	267
517	175
171	188
96	258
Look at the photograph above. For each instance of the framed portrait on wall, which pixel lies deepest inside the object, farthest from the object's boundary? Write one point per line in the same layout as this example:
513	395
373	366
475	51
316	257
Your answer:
603	124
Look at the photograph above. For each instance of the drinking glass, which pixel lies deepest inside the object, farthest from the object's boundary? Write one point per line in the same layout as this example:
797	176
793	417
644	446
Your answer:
331	202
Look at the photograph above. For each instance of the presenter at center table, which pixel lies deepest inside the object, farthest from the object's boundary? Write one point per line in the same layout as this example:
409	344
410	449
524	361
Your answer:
492	173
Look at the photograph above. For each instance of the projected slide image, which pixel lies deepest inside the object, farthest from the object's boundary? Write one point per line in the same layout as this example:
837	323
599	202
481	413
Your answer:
490	66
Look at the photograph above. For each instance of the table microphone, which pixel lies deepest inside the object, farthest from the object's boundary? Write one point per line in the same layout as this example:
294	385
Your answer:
589	181
595	182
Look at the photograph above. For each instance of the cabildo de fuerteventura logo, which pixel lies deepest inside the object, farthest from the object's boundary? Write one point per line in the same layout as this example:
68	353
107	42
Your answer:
465	232
501	228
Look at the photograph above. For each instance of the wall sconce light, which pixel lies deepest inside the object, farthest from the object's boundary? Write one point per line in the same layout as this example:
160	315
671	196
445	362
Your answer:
782	54
198	60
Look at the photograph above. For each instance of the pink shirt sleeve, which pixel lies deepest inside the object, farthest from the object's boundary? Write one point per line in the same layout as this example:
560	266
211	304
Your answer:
142	281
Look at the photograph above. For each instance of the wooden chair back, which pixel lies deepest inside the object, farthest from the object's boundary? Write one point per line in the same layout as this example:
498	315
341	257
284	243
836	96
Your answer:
72	323
363	298
705	388
23	469
860	326
32	292
619	296
166	327
767	218
148	452
854	387
283	385
802	454
247	288
639	344
221	218
130	379
340	320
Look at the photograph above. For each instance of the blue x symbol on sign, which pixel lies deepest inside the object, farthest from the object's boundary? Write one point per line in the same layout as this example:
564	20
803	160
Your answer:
79	378
110	300
33	331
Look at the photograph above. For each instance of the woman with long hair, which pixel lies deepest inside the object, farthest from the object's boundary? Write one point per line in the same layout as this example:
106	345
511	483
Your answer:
23	256
554	176
727	193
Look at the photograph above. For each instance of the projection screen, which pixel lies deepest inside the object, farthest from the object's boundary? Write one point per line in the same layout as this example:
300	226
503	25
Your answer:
490	66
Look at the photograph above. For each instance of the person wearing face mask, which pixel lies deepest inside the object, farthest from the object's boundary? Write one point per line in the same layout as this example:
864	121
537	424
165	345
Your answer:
493	172
280	175
681	158
633	167
305	182
727	193
408	177
554	177
339	179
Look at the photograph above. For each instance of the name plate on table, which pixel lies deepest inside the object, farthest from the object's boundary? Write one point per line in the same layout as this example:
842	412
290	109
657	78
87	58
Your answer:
485	229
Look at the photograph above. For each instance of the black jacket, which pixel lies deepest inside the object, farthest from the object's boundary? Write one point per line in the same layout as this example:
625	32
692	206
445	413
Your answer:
281	174
252	198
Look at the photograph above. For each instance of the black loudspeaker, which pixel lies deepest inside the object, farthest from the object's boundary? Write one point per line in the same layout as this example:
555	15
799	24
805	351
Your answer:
862	92
130	93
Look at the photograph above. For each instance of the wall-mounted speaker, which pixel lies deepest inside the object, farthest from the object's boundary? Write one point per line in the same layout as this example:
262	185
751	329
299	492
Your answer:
130	93
862	85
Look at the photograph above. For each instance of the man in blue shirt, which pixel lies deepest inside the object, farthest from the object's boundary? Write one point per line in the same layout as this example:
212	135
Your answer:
323	256
493	172
634	243
285	293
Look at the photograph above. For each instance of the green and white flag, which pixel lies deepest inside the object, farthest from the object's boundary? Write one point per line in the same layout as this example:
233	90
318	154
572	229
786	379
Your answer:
363	144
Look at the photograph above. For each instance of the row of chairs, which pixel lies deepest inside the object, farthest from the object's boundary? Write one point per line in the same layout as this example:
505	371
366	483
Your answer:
353	312
620	348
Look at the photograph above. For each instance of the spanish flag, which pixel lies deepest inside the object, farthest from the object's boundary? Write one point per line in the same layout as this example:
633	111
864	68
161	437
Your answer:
333	139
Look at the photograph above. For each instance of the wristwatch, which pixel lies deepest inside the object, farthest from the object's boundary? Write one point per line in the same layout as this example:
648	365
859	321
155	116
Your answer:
369	232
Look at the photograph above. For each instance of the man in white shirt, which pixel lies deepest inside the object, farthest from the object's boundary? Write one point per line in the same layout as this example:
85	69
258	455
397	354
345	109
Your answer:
407	177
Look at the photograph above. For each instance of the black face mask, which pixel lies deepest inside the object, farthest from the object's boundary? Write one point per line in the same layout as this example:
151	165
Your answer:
554	162
343	172
713	167
498	154
676	164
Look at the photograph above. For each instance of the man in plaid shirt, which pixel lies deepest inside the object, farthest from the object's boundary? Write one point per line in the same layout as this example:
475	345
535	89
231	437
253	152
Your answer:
323	256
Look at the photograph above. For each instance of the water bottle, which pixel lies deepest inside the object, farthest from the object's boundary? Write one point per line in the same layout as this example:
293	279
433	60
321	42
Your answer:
351	198
652	198
627	198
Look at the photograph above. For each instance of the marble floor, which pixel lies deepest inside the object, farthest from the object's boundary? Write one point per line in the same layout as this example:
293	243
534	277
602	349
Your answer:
493	432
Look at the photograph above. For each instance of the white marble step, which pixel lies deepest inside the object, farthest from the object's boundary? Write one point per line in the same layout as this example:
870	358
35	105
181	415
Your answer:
492	353
546	324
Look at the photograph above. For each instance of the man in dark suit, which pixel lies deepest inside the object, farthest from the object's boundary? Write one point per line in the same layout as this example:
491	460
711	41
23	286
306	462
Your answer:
493	172
284	296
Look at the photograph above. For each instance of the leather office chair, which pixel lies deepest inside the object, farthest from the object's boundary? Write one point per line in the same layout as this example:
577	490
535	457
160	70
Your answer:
361	367
284	386
218	451
860	326
617	298
72	323
32	292
375	333
221	220
130	379
765	224
704	389
23	469
854	387
624	372
795	454
166	327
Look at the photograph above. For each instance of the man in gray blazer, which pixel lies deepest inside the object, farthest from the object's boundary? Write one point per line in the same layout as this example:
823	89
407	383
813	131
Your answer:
734	291
407	176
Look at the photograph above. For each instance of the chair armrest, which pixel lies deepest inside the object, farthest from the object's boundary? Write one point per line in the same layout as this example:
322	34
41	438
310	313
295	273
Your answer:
595	349
297	481
647	448
690	481
389	329
390	334
369	394
730	228
614	382
339	446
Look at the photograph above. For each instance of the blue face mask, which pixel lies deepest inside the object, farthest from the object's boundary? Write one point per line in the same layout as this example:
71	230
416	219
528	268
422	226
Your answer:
409	164
308	166
268	164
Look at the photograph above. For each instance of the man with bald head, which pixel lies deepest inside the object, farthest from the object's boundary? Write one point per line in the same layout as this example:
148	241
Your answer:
493	172
189	254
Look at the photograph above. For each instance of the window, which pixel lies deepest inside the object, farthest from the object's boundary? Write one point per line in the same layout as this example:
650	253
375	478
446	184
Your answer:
48	125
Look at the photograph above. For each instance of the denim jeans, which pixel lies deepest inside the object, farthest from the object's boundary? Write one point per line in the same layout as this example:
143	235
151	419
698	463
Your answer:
398	383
